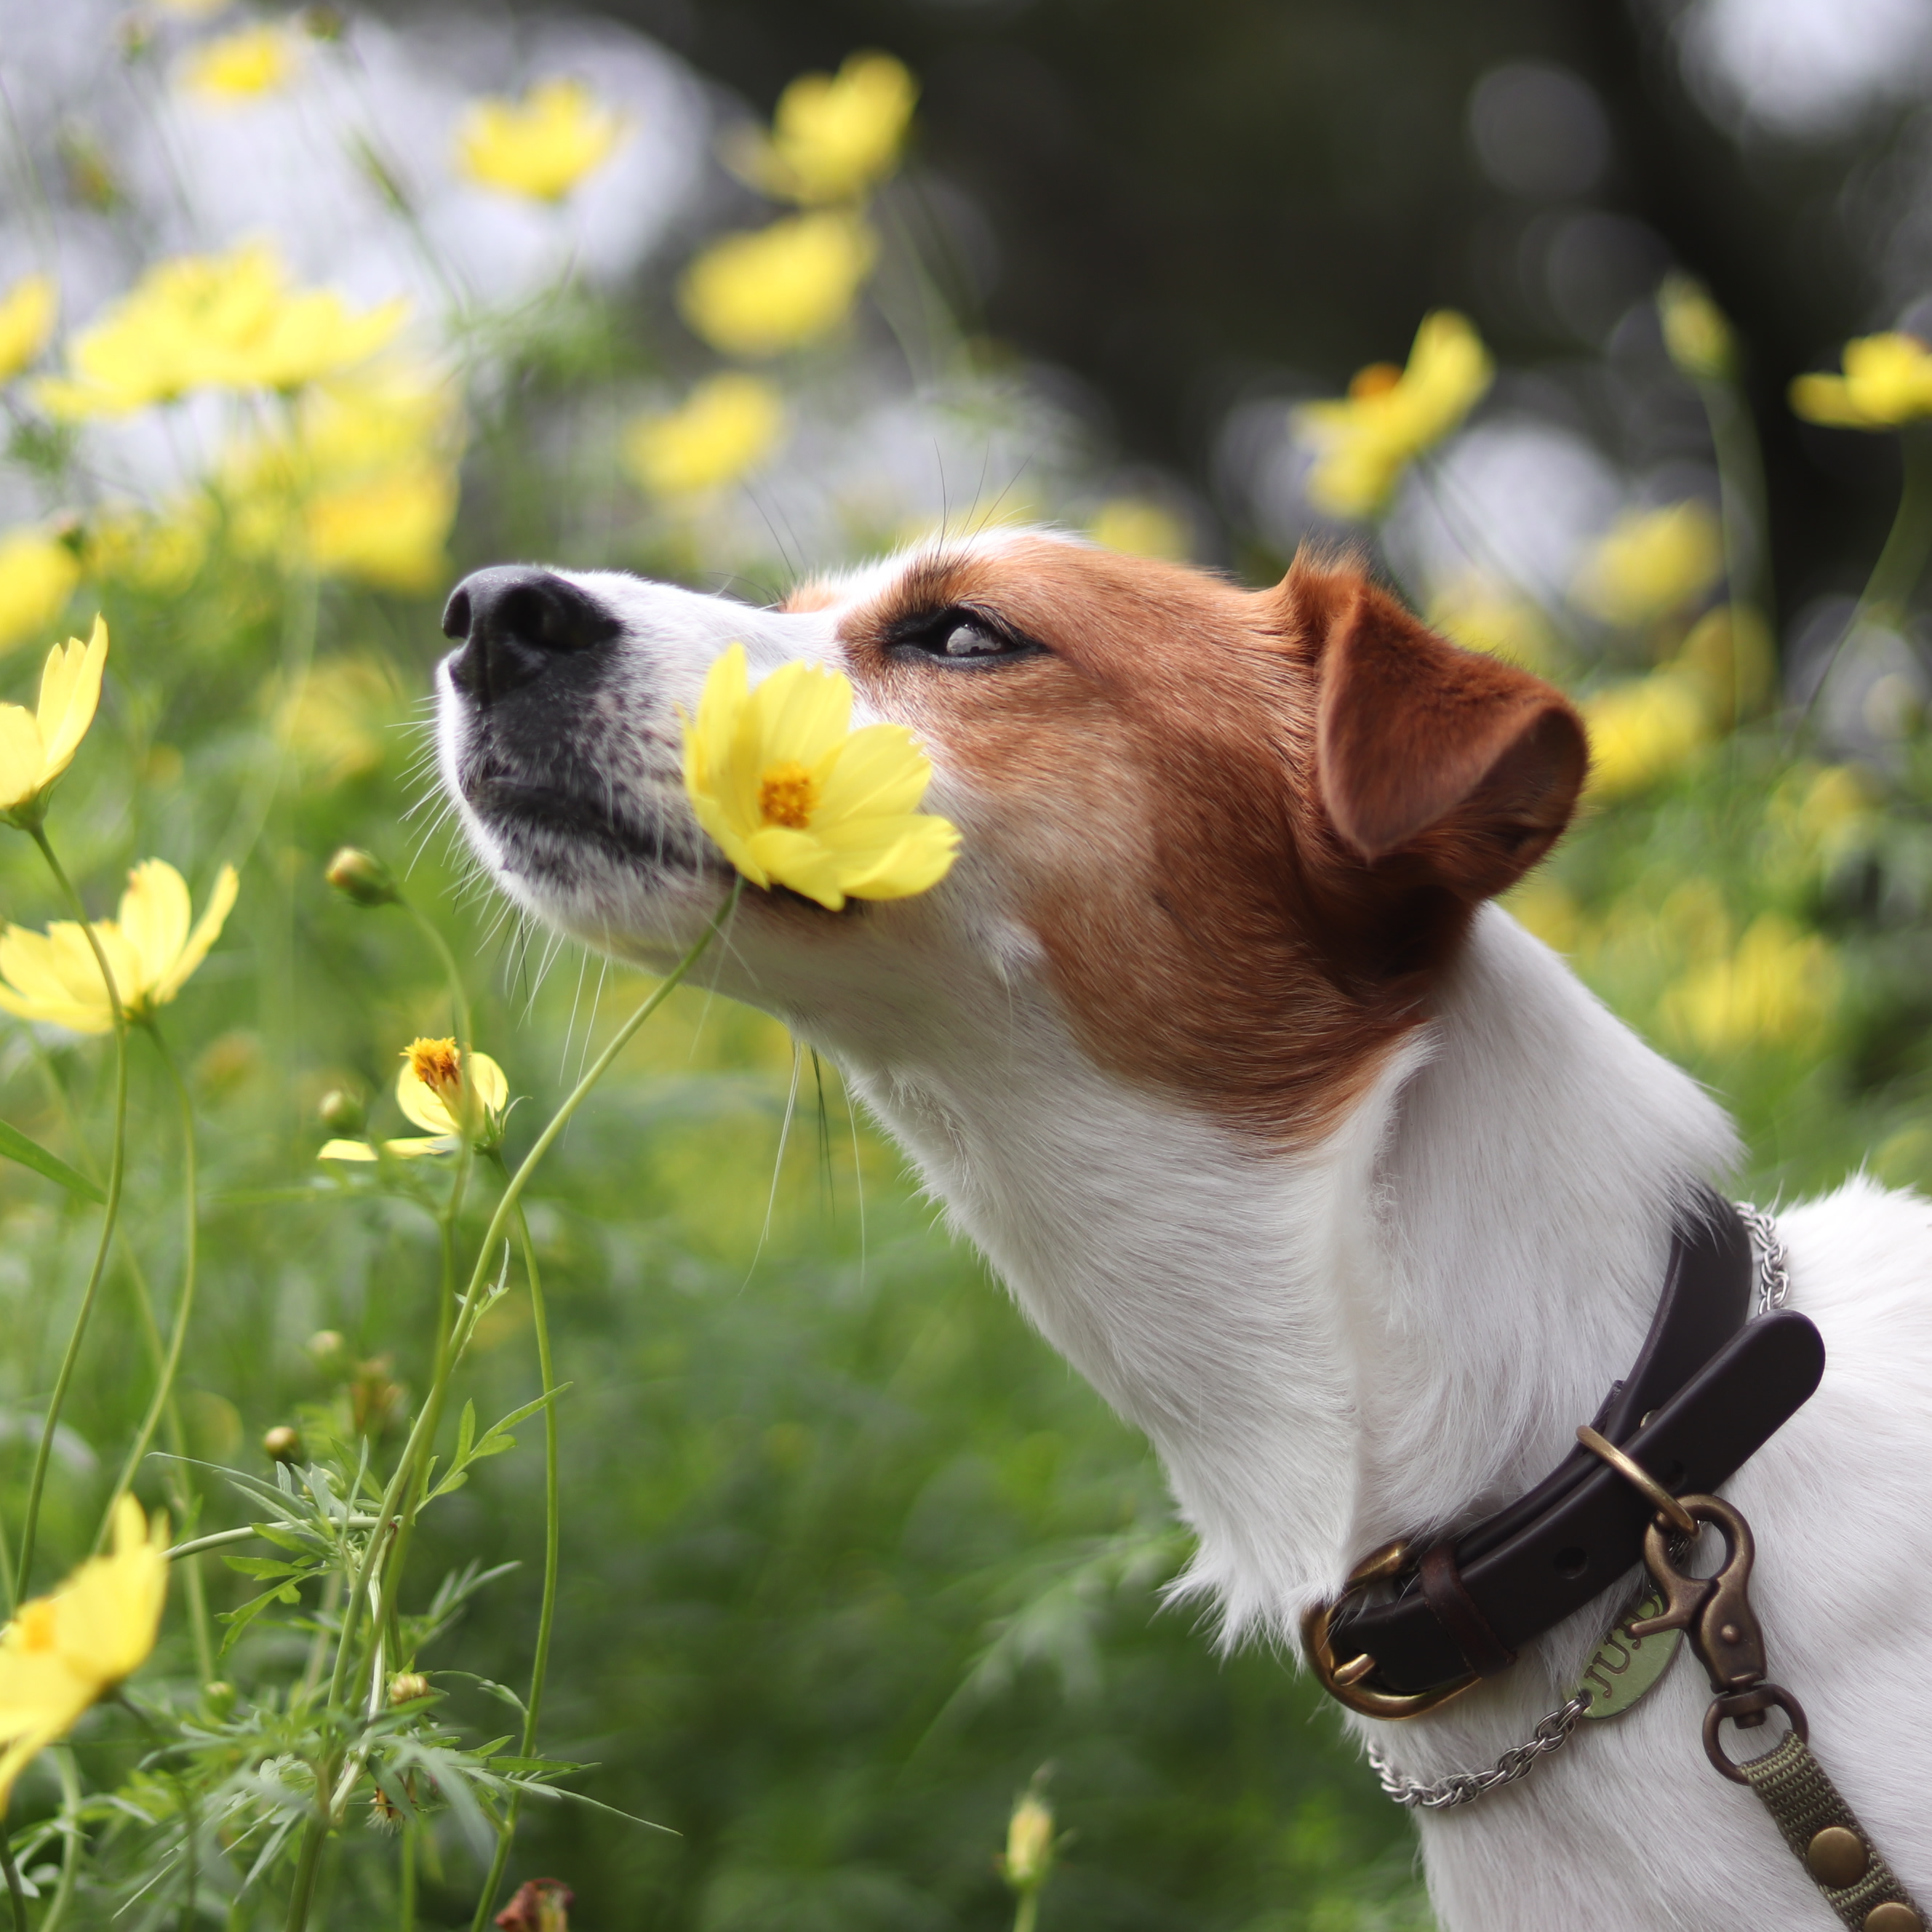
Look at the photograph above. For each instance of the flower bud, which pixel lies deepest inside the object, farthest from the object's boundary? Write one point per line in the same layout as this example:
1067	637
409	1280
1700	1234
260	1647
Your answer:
342	1112
1029	1857
1695	330
282	1443
328	1347
406	1686
362	876
219	1697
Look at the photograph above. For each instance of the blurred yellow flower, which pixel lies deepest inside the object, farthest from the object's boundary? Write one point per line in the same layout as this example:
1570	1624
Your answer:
760	292
53	977
1644	731
1651	564
1888	381
1391	416
36	746
1480	614
444	1090
240	66
1729	648
796	797
27	312
37	575
1696	332
388	531
727	425
213	321
540	147
150	553
835	135
337	721
64	1652
1779	988
1135	526
1027	1860
1539	905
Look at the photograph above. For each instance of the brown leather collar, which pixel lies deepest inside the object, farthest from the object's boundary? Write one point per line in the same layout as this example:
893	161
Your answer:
1709	1389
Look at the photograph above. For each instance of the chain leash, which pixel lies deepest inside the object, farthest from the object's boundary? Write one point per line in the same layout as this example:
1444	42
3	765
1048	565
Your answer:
1772	1267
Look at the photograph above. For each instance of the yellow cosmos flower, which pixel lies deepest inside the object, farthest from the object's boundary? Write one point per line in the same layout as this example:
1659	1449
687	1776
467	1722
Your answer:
37	575
1888	381
1482	614
835	135
242	66
449	1093
1696	331
1652	563
36	746
1391	416
53	977
158	554
541	146
1779	988
727	425
211	321
759	293
27	314
1644	731
64	1652
796	797
1136	527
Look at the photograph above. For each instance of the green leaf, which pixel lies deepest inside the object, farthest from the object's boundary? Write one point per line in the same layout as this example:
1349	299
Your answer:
16	1146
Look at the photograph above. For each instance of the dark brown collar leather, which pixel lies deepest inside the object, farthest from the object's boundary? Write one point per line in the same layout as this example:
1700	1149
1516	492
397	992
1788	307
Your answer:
1709	1389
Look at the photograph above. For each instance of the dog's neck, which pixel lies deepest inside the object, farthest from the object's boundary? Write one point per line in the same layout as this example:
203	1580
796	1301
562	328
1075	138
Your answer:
1390	1334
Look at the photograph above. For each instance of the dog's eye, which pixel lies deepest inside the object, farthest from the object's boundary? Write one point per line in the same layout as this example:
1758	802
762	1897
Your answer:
963	637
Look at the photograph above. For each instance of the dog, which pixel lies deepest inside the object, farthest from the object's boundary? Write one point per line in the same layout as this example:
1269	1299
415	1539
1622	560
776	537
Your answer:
1326	1173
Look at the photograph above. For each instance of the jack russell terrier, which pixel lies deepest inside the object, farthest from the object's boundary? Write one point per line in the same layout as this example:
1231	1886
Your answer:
1325	1173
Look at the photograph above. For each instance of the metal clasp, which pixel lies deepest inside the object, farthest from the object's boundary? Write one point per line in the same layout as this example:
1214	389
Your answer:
1344	1681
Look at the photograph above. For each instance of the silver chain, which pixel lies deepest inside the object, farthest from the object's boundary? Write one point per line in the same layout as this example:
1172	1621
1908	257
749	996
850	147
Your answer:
1773	1268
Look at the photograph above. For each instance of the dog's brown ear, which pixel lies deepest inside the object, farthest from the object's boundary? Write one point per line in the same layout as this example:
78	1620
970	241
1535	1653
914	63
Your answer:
1466	763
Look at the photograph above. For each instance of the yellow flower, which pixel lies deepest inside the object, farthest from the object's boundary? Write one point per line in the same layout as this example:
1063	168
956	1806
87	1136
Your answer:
796	797
38	575
26	320
1029	1853
1391	416
441	1089
339	717
388	531
1136	527
1644	731
1696	332
1779	988
63	1652
1888	381
241	65
53	977
1652	563
1482	615
728	424
154	554
209	321
541	146
834	135
36	746
758	293
1539	905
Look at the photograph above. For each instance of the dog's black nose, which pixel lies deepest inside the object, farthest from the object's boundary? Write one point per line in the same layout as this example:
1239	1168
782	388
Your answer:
516	622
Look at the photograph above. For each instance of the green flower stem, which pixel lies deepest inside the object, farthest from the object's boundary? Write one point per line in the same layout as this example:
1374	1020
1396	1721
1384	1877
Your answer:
405	1914
73	1840
1027	1916
547	1613
301	1897
1741	502
116	1169
1901	562
14	1890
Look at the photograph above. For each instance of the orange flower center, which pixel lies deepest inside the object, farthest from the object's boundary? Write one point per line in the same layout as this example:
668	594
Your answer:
438	1064
1377	380
788	795
37	1624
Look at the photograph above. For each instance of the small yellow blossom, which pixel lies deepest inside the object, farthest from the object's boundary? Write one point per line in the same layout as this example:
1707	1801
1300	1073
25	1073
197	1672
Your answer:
761	292
36	746
339	718
1652	563
64	1652
796	797
243	65
835	135
27	312
1696	332
1027	1862
1539	905
37	575
156	553
1137	527
727	426
53	977
1391	416
1779	988
1644	731
542	146
211	321
449	1093
1888	381
1482	615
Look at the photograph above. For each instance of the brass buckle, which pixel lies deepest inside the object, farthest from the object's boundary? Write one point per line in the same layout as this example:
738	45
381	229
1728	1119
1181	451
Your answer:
1343	1681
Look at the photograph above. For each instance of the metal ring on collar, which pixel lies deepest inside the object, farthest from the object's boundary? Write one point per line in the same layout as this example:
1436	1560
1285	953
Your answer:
1749	1705
1640	1479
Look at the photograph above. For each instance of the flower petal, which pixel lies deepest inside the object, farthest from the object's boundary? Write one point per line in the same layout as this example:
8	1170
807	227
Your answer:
487	1077
893	858
422	1103
69	693
881	769
208	930
23	756
346	1150
803	710
154	912
802	862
